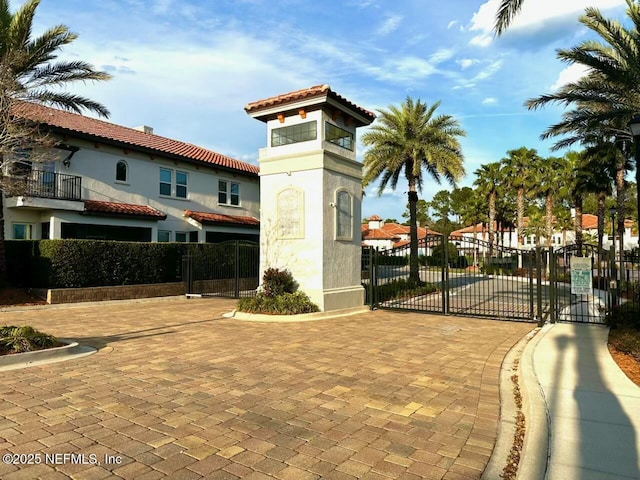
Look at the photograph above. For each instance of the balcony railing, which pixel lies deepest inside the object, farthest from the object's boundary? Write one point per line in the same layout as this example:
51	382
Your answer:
44	184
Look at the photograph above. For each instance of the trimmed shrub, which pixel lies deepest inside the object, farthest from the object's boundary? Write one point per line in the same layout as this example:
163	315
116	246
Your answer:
625	316
452	254
95	263
400	289
277	282
283	304
393	260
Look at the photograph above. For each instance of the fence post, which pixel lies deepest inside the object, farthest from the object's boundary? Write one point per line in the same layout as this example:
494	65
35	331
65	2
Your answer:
445	274
539	284
237	269
374	278
553	294
187	273
530	268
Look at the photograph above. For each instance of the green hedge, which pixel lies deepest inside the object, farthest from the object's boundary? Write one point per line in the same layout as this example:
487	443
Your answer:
93	263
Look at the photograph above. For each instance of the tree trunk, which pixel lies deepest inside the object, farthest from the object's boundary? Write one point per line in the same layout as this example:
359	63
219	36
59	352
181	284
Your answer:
601	213
414	273
549	218
620	193
577	224
520	215
492	219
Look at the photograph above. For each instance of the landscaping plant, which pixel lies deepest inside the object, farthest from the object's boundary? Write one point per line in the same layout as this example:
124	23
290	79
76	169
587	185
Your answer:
278	295
24	339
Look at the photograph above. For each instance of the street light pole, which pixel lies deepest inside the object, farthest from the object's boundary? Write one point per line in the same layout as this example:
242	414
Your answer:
634	126
613	284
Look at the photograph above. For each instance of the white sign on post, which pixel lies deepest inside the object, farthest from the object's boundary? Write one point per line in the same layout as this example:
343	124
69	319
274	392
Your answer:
581	273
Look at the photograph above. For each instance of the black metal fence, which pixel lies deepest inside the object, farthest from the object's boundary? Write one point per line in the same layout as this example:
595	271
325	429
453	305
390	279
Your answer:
229	270
455	275
466	276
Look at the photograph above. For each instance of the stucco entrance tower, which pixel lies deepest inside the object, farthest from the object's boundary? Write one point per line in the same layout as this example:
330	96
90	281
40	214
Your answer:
311	193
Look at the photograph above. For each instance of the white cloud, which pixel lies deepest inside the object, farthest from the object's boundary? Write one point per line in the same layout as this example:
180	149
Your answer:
467	62
452	24
389	25
441	55
533	15
569	74
489	101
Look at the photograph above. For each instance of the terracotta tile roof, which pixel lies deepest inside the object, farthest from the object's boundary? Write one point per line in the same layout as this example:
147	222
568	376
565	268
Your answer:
405	229
113	208
377	234
72	123
304	94
217	218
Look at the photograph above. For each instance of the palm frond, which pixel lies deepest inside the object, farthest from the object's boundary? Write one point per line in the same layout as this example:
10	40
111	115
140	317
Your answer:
506	12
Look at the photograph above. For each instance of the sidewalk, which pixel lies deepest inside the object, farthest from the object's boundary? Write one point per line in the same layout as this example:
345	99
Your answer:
593	409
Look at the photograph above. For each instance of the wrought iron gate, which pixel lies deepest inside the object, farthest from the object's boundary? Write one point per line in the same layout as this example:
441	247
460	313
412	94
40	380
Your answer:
227	269
614	280
458	275
470	277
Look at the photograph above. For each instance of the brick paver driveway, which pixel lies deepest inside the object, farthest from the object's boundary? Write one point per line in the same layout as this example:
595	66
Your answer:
177	391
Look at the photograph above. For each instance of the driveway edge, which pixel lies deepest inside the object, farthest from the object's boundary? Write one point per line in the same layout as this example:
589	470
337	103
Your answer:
508	411
42	357
534	458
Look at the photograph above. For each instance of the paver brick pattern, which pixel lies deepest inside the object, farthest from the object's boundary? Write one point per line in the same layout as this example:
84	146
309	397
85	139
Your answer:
177	391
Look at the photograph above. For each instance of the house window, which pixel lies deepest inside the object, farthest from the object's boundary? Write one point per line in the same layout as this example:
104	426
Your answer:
302	132
121	171
338	136
228	193
22	231
181	184
164	235
166	177
168	188
182	237
344	215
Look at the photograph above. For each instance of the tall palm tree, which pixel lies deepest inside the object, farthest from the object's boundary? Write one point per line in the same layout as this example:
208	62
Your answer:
405	141
517	166
548	178
608	97
30	71
490	178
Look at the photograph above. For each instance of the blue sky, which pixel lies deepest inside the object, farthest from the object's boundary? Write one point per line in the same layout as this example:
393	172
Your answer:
187	68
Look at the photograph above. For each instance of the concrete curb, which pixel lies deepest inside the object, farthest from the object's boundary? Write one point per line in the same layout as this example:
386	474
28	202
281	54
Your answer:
508	411
305	317
534	459
69	351
55	306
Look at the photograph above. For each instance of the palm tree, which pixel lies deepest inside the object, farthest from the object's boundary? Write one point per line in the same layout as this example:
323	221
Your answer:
29	72
490	178
506	12
535	225
608	97
516	171
406	140
548	178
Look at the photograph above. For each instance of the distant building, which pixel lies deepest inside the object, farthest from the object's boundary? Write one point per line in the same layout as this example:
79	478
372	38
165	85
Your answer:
383	236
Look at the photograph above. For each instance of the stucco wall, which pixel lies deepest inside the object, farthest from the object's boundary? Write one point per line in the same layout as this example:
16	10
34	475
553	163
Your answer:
96	164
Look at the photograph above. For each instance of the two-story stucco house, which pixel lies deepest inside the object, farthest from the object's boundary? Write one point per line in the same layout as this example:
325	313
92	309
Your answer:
106	181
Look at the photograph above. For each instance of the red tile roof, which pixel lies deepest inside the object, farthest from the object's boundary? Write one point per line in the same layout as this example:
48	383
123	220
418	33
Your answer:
377	234
113	208
73	123
405	229
304	94
206	217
